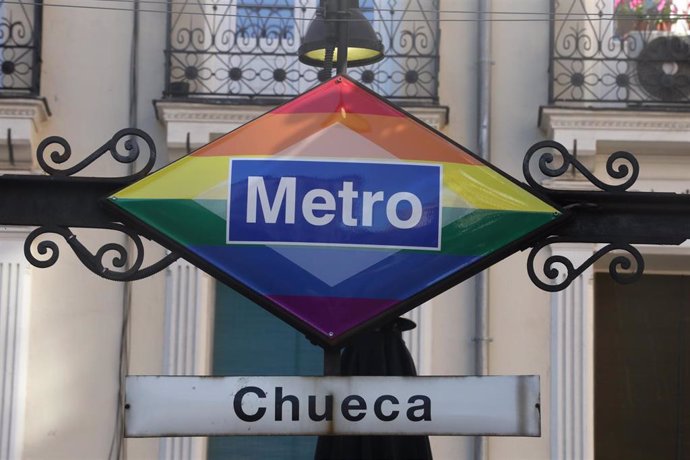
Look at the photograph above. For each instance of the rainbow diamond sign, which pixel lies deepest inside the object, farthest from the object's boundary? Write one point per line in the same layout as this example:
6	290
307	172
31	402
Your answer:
336	211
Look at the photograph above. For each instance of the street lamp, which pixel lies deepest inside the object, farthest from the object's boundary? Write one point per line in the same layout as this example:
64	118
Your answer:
336	22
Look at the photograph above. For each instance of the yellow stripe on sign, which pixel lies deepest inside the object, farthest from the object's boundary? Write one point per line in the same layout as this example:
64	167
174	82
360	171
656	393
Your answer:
187	178
483	188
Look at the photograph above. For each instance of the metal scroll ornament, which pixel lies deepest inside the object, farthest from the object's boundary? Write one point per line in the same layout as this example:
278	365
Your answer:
557	271
621	166
625	267
110	261
113	261
125	147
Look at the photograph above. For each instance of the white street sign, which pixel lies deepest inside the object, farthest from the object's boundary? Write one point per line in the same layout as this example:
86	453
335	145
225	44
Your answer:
201	406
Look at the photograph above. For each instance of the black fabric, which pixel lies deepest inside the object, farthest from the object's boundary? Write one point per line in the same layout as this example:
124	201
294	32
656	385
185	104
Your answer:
378	353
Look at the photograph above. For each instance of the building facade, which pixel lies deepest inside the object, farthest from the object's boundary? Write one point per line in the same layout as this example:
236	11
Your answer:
614	362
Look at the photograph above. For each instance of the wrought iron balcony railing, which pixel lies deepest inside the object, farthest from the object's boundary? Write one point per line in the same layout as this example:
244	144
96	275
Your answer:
246	50
20	47
609	53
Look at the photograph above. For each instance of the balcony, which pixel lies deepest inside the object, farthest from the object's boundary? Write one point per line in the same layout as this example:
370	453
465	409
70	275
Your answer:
245	51
611	56
21	108
20	47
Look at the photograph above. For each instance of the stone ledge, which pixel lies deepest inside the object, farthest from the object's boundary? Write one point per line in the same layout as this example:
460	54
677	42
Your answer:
20	119
660	140
616	126
197	123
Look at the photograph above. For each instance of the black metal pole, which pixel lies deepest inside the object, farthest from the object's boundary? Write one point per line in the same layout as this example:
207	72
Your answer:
331	361
343	16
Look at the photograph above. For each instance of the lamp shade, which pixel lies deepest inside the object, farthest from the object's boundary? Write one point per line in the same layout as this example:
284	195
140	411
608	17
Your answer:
363	46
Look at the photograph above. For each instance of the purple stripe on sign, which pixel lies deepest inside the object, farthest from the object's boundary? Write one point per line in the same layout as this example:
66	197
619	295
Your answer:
333	316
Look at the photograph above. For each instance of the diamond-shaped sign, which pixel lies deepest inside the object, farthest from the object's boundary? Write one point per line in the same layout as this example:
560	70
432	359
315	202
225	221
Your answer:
336	211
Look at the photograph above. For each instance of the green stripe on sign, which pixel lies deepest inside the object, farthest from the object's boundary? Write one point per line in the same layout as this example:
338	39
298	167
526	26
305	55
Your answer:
484	231
200	222
186	221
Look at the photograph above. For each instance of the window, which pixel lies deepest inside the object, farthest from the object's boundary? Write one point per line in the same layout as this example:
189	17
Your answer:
265	18
20	46
250	341
642	368
247	50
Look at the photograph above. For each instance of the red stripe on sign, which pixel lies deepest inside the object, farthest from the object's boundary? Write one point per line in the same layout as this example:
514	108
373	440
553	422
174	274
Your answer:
339	95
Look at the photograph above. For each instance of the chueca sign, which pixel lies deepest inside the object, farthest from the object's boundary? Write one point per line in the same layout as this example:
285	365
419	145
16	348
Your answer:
191	406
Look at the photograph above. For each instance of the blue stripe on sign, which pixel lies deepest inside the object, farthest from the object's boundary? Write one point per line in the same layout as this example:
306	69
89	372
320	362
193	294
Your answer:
391	205
399	276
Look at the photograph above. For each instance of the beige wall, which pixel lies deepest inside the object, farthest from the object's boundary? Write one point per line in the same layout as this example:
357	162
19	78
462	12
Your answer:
519	312
76	317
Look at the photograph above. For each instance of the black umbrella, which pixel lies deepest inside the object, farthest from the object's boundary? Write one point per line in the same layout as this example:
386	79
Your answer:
381	352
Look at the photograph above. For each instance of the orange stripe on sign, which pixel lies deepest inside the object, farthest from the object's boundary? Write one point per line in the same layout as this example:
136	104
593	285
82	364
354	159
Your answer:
268	135
339	96
408	139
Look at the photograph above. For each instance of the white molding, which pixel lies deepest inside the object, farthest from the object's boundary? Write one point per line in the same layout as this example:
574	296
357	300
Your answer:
436	117
172	112
33	110
190	296
572	362
590	127
612	120
201	123
23	117
15	282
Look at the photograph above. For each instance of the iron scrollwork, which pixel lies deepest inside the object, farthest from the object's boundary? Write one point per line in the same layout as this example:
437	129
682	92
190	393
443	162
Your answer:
124	147
621	267
248	49
619	165
20	39
112	261
46	252
603	53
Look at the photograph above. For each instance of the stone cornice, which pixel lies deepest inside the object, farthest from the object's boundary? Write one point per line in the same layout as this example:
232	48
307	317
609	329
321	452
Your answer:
560	118
436	117
171	112
186	112
32	109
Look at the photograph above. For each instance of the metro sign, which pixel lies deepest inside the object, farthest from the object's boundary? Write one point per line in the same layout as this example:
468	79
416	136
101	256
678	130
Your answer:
321	208
336	211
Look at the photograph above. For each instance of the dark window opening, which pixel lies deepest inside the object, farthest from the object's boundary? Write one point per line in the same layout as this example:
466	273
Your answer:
247	340
642	368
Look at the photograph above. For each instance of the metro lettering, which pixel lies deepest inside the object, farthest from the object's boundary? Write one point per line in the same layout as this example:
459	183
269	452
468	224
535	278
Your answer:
285	194
322	201
314	202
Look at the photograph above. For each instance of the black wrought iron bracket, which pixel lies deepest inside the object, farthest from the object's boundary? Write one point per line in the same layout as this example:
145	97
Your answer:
611	216
58	202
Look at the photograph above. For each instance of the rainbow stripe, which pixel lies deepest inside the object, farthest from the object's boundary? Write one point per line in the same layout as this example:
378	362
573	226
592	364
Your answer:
331	289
